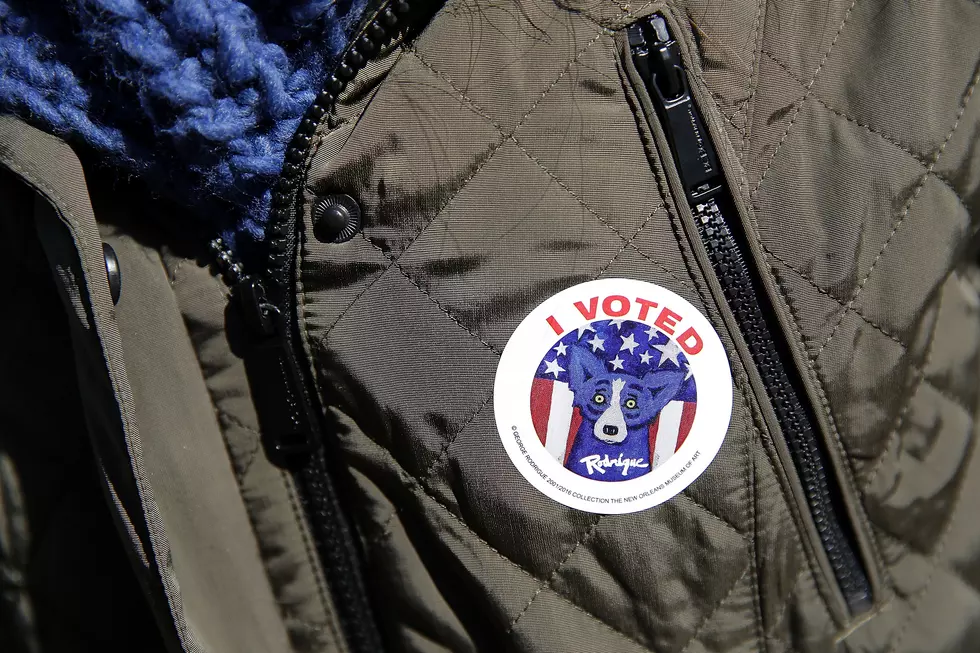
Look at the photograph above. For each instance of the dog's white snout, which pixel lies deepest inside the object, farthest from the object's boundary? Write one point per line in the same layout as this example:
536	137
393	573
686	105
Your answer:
611	425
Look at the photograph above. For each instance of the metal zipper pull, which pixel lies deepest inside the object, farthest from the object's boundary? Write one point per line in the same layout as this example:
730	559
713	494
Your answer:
288	428
658	60
289	434
295	427
656	55
292	427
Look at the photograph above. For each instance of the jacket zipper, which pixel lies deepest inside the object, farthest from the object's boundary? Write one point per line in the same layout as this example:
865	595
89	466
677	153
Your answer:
656	57
292	419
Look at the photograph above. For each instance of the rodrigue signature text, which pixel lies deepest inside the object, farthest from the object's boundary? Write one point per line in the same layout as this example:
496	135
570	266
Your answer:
597	463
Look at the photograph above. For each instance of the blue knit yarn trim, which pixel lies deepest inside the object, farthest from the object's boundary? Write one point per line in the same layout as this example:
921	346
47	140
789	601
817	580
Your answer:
198	97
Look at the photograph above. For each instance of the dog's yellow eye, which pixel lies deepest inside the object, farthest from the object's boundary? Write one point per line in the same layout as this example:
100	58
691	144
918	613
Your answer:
630	403
599	399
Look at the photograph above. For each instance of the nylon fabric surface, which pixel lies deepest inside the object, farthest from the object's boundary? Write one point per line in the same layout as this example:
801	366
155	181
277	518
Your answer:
213	547
859	145
268	493
55	597
502	156
191	306
65	226
494	172
191	522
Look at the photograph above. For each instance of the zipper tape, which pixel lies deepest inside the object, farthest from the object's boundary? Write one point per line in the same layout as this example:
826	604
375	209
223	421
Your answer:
292	419
656	57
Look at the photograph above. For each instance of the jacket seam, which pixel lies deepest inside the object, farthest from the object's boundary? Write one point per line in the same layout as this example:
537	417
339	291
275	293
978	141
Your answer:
664	268
920	376
547	584
397	266
756	584
840	302
802	101
965	100
629	243
416	486
614	24
867	127
310	555
922	159
707	619
754	81
847	472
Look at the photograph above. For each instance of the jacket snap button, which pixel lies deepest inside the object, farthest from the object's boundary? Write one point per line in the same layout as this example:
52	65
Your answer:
336	218
112	272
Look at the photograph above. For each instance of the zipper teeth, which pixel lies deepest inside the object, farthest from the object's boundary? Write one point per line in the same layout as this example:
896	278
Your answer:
337	551
798	431
377	32
332	537
658	60
228	266
380	29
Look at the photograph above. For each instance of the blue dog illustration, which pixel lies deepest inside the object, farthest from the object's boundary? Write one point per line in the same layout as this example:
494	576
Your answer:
612	443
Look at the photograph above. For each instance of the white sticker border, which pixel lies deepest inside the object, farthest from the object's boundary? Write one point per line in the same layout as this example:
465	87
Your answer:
512	408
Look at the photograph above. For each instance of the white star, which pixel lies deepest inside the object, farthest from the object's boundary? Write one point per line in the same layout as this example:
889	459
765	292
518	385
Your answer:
645	357
618	323
669	352
690	372
596	343
617	363
629	343
582	329
552	367
561	348
653	333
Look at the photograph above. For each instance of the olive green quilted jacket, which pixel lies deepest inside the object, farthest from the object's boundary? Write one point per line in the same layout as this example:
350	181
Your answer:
487	157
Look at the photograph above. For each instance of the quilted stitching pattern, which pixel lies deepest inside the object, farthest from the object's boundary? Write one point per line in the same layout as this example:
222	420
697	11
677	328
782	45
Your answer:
898	442
547	584
409	255
488	133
